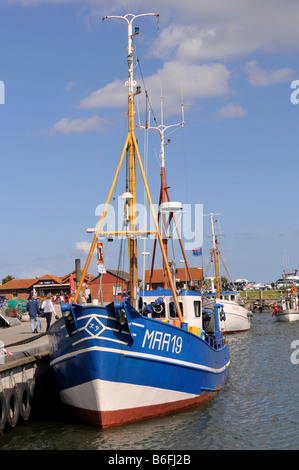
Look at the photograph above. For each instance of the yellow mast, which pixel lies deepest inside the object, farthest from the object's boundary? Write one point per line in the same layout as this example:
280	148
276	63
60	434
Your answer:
133	273
215	257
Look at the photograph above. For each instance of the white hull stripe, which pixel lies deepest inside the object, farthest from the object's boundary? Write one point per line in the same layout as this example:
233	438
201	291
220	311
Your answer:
139	355
100	395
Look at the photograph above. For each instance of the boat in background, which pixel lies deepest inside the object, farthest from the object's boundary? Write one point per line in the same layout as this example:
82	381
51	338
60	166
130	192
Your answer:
125	362
287	309
234	318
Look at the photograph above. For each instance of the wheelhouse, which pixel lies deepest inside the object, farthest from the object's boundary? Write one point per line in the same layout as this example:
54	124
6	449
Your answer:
190	303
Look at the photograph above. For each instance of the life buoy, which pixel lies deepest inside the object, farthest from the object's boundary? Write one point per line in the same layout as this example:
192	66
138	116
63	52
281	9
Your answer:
12	406
158	309
24	397
3	411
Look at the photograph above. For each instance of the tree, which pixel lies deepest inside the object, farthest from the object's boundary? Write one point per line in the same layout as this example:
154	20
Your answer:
7	279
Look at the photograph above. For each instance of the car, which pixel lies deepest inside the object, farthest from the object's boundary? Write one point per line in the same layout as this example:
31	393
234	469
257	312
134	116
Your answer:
258	286
249	286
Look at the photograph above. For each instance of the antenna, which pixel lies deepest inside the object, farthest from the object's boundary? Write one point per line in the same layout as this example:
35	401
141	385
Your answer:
129	18
161	129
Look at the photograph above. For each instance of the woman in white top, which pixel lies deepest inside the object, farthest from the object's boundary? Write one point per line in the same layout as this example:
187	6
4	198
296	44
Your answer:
48	309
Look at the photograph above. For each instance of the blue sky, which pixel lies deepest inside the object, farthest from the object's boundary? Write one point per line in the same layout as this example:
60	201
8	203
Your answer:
64	121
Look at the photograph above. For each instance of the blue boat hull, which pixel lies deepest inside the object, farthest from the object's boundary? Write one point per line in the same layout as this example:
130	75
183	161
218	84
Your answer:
114	366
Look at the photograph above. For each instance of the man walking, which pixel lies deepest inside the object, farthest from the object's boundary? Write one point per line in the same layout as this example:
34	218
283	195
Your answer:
34	313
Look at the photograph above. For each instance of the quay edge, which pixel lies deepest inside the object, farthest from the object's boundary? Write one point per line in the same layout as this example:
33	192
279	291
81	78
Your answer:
26	386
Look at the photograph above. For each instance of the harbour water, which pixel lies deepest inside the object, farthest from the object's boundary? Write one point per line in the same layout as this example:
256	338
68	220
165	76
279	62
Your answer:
257	409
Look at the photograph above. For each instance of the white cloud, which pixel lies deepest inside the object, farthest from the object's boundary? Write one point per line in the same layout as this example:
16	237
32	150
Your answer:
230	111
83	246
111	95
78	126
260	77
194	81
189	42
218	30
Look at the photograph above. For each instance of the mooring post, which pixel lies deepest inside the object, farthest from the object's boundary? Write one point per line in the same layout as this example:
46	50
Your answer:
261	297
78	278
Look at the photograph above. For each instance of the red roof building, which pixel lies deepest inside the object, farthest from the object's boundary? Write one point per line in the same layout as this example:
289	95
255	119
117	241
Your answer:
17	288
41	287
180	277
114	283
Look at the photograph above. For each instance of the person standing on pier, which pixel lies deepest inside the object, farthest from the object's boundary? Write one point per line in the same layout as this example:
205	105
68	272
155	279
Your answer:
34	313
48	309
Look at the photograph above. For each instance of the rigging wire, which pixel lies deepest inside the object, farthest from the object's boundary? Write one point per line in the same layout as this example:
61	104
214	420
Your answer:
105	247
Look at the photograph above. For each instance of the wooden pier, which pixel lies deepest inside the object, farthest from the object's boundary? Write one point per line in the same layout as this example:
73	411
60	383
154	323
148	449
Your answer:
258	303
24	372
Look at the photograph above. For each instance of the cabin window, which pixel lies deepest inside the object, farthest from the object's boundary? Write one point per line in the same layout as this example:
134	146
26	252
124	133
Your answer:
173	310
196	304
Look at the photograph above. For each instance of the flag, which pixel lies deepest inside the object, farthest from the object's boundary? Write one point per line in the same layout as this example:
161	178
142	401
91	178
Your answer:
72	285
197	252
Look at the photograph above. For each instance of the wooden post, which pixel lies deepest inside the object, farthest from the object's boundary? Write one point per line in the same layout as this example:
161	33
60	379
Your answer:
261	299
78	278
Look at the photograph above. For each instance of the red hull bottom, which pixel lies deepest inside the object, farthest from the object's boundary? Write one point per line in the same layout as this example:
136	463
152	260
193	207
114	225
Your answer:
106	419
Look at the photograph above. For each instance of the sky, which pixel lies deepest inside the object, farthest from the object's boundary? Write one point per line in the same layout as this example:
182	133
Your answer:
232	63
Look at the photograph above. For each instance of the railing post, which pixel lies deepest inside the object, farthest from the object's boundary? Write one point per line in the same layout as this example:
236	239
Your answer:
217	323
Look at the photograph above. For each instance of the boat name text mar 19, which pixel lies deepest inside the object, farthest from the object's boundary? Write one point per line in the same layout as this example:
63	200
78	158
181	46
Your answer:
162	341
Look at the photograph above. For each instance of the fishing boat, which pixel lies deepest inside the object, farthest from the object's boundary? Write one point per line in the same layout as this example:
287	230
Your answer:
287	308
236	318
143	356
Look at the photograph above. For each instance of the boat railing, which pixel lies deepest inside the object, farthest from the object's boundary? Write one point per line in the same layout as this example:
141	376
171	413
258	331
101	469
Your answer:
215	339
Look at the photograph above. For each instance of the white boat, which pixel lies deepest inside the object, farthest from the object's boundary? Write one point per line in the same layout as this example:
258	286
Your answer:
234	318
287	309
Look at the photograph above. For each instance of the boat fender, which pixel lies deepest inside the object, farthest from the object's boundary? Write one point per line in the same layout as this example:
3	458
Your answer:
3	412
12	406
24	396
